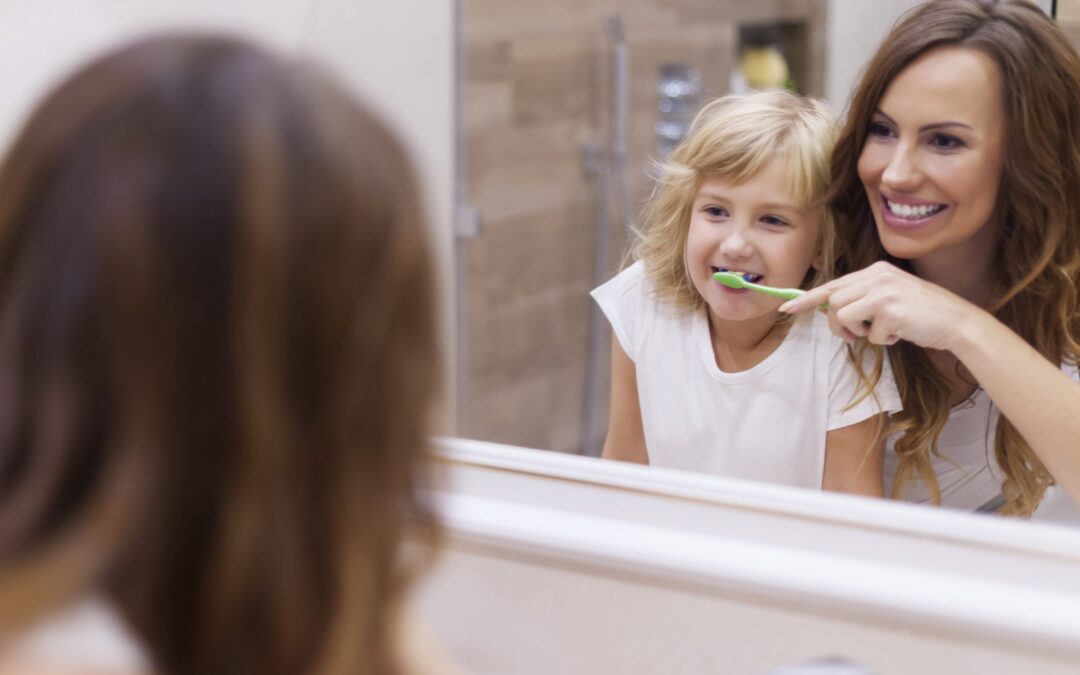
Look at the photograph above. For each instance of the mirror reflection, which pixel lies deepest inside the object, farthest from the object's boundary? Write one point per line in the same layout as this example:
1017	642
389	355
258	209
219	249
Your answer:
951	248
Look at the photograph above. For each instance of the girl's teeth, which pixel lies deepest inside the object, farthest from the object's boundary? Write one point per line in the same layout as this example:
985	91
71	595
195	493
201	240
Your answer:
748	276
913	212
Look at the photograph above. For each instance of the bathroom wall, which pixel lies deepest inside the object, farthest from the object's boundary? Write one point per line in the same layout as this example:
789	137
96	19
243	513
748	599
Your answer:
1068	16
535	93
854	29
397	56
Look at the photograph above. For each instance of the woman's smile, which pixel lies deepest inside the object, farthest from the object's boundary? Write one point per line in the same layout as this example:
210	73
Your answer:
933	158
907	213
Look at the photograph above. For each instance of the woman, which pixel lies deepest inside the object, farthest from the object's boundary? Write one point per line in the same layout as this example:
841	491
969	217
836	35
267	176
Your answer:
216	360
959	171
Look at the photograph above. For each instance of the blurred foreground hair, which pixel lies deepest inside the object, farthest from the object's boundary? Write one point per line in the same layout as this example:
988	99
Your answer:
217	358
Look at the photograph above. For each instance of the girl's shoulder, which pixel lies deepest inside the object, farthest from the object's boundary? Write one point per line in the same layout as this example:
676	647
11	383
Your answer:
631	280
632	290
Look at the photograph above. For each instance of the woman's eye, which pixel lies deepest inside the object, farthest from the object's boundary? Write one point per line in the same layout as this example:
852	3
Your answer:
715	211
879	130
774	220
946	142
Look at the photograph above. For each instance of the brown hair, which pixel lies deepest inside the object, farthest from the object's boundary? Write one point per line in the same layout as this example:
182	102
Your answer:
1039	254
217	355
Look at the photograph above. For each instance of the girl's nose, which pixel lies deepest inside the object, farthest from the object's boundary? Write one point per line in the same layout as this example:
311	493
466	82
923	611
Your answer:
902	173
736	244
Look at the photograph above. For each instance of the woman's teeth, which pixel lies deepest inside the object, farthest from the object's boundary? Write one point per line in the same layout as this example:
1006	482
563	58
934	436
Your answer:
747	276
913	212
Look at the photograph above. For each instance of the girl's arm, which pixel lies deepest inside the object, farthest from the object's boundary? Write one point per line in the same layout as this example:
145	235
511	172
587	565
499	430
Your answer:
626	436
1040	400
853	458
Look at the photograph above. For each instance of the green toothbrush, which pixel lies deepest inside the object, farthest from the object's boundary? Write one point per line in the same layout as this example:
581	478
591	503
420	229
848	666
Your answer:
732	280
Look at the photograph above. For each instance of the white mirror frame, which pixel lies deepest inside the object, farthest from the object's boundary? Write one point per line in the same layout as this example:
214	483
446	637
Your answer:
773	575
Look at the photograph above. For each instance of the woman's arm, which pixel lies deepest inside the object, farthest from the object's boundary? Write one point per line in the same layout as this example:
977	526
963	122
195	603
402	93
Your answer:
853	458
626	436
1040	400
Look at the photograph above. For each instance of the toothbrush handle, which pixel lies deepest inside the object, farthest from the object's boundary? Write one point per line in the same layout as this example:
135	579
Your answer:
783	293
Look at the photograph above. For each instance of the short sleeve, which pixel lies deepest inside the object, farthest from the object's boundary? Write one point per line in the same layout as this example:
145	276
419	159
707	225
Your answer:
845	388
624	299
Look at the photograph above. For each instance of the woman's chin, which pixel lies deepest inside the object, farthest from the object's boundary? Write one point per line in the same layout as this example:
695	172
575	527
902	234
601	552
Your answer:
900	246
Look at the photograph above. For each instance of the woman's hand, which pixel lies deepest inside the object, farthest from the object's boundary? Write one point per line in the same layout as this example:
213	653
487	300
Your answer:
885	304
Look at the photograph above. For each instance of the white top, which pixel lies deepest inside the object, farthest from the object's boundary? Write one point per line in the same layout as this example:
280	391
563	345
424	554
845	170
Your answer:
967	471
767	423
88	636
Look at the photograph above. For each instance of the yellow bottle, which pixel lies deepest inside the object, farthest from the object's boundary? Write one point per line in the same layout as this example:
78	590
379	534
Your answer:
764	67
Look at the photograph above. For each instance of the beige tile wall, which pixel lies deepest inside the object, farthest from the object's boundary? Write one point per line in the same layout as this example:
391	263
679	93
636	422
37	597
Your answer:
535	91
1068	17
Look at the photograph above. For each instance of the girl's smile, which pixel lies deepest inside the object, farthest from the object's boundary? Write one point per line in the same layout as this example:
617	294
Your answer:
754	229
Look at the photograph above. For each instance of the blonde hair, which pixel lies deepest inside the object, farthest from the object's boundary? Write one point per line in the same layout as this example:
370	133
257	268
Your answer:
1038	260
734	137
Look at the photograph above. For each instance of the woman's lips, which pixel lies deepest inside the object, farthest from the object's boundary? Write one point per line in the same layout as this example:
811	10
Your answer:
905	222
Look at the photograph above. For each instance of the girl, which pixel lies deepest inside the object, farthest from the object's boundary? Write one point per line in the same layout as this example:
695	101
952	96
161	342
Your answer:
710	379
959	165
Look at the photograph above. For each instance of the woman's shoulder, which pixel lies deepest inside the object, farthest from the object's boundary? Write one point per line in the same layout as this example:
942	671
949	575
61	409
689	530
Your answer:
16	667
87	636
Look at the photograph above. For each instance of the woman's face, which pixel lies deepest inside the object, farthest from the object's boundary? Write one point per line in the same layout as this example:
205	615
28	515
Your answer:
933	158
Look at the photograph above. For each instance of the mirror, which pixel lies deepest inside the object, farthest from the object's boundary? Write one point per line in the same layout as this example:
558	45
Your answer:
612	567
561	115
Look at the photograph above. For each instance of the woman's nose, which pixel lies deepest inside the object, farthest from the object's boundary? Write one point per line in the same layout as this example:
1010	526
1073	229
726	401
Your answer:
902	172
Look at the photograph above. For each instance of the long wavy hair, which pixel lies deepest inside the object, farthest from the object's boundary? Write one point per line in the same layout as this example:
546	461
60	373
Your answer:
1038	260
217	356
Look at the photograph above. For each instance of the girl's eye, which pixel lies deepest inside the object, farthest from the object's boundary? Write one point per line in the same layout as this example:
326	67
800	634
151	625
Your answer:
715	211
946	142
776	221
879	130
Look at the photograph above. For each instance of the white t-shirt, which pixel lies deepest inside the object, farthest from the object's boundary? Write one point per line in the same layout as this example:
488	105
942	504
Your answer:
967	471
767	423
88	636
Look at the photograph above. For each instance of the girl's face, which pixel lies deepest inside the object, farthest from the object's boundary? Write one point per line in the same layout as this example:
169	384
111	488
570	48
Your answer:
756	228
933	158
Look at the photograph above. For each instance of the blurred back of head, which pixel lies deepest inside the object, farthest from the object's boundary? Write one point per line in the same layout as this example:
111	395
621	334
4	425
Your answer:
216	359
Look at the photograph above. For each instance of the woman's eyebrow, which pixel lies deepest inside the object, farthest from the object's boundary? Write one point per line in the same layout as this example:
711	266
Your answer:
927	127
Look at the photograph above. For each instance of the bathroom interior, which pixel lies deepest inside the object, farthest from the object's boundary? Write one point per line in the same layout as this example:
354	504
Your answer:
563	109
535	127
